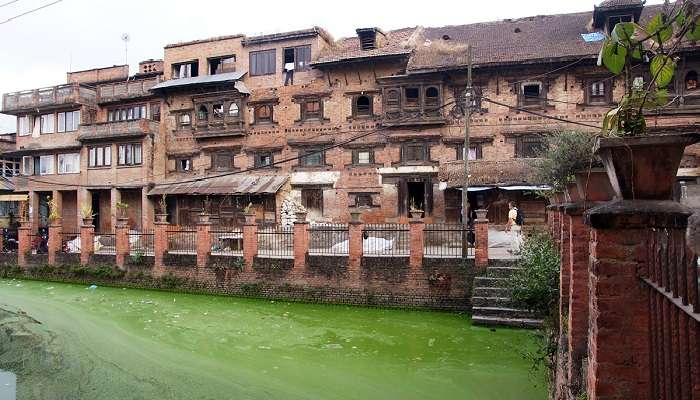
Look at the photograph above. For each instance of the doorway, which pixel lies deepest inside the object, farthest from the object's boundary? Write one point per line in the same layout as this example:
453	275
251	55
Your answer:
416	195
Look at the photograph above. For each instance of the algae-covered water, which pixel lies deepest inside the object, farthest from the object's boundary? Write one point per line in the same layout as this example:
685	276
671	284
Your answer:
70	342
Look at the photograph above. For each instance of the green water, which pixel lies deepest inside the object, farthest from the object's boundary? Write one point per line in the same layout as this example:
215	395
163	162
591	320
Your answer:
114	343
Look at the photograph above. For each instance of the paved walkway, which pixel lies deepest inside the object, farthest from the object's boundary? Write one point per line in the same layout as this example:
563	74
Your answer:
499	243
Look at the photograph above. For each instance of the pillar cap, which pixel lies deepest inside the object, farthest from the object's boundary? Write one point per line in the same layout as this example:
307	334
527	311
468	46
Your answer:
579	207
638	214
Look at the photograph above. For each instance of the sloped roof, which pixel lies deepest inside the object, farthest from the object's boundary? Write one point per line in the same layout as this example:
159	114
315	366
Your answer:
620	3
227	184
489	173
348	49
203	80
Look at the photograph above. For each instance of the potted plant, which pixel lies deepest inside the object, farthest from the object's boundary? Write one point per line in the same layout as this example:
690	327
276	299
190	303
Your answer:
86	214
54	215
642	166
416	213
162	215
122	208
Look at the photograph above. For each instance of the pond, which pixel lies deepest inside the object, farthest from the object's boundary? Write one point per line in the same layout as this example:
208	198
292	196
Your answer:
72	342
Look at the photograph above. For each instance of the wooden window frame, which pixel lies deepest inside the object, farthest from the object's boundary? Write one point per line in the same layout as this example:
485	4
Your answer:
53	123
356	157
368	196
605	99
526	141
193	74
303	159
182	125
540	101
178	165
220	59
459	151
404	93
92	159
425	151
370	108
305	196
133	146
316	115
299	67
257	159
214	163
253	55
258	120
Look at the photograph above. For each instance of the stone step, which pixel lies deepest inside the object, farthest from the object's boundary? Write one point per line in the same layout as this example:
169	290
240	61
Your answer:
478	301
510	322
491	292
500	272
486	281
495	263
503	312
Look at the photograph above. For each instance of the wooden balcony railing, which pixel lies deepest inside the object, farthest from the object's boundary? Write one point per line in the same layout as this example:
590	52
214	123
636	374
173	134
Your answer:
119	129
47	98
118	91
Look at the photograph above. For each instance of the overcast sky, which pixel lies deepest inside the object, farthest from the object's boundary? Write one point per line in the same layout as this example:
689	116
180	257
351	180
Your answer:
39	48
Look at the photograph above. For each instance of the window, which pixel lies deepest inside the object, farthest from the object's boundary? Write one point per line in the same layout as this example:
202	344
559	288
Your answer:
432	97
263	113
23	125
616	19
363	157
221	65
311	109
368	40
529	146
474	151
184	164
99	156
312	158
531	93
127	113
691	80
597	93
262	62
233	110
393	98
68	121
69	163
46	165
155	111
186	70
129	154
412	96
218	110
203	113
312	200
414	152
27	165
263	159
300	56
184	120
222	161
47	123
363	200
362	106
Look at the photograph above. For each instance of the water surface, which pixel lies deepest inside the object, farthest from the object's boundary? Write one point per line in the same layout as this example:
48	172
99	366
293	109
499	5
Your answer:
111	343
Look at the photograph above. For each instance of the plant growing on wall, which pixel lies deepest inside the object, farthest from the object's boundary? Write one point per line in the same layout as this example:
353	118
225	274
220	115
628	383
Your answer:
163	204
86	211
122	207
54	214
566	152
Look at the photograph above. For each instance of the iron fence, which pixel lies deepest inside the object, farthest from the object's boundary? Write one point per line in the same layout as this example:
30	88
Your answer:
329	239
182	241
9	240
448	241
142	242
69	244
106	243
276	241
388	240
227	242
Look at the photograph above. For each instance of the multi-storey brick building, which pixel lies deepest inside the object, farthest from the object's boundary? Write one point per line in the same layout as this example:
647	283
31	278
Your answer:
372	121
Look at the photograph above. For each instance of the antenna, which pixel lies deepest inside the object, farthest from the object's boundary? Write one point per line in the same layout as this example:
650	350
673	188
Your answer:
125	39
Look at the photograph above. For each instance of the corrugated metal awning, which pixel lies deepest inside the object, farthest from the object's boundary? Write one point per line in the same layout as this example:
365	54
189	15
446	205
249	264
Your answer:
230	184
201	80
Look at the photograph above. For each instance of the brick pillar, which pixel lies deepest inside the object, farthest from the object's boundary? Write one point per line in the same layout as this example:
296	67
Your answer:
203	240
355	248
416	240
481	233
121	236
556	232
114	198
565	265
33	209
24	245
619	340
54	242
301	242
160	242
87	241
250	240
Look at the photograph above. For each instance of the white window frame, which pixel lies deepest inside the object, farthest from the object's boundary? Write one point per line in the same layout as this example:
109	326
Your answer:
69	163
27	169
47	122
50	162
24	129
127	154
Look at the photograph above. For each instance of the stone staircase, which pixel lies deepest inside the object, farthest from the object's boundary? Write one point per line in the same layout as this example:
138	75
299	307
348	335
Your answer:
491	303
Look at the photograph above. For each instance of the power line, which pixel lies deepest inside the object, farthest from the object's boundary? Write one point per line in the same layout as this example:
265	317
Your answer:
8	3
28	12
540	115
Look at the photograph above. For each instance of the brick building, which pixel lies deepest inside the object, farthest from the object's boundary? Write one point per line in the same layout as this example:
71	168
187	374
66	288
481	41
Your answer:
370	121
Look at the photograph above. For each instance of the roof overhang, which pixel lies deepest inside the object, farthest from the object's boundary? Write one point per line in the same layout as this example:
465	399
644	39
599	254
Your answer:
205	80
224	185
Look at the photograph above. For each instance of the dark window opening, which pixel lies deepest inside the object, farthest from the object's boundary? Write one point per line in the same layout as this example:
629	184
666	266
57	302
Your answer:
203	113
363	200
184	165
363	106
414	152
263	159
691	80
616	19
186	70
432	97
416	195
262	62
475	152
155	111
220	65
312	200
532	93
263	113
530	146
368	40
412	97
289	55
222	161
313	158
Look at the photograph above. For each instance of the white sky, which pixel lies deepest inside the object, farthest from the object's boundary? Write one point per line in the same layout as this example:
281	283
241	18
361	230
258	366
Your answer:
39	48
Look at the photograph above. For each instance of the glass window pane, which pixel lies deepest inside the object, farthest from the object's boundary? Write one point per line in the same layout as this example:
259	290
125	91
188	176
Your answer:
137	154
61	122
107	155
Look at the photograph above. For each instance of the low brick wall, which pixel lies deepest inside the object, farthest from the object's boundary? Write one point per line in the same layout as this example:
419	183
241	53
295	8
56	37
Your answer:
68	258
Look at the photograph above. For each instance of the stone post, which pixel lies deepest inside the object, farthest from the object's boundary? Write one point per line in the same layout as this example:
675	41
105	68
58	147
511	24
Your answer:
87	241
160	243
54	242
621	250
250	240
355	247
121	236
301	242
416	240
481	236
203	240
24	245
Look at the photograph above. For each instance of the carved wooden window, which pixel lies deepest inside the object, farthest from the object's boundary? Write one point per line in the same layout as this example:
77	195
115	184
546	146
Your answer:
222	161
363	200
362	106
263	113
312	200
529	146
411	97
202	113
432	96
218	110
413	152
184	120
393	98
311	109
233	110
691	81
312	158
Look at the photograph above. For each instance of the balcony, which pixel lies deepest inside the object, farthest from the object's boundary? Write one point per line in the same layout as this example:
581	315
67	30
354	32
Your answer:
407	117
119	91
117	130
46	99
211	129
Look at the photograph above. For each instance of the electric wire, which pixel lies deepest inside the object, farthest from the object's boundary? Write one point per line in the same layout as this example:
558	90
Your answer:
28	12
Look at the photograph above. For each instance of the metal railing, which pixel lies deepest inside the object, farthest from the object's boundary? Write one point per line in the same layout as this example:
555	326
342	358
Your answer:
9	240
387	240
142	242
448	241
227	242
182	241
276	241
69	244
106	243
329	239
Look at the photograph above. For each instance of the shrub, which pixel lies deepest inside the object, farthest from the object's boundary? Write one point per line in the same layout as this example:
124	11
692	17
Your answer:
535	285
565	153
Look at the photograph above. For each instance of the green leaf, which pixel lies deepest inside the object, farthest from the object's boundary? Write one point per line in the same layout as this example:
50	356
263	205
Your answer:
661	97
637	52
680	19
693	33
614	56
657	28
623	32
662	67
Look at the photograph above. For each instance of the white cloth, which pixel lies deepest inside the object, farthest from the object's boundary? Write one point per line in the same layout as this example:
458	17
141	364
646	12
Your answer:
516	238
289	66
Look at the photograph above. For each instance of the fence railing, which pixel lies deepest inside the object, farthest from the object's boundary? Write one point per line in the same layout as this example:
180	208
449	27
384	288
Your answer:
70	242
276	241
9	240
386	240
674	314
329	239
227	242
142	242
105	243
182	241
448	241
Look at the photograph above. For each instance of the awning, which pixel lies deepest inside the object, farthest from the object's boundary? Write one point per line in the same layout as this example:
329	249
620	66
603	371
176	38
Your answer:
230	184
526	187
204	80
14	197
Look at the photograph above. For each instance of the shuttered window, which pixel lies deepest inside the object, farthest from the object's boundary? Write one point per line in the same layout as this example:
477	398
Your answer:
262	62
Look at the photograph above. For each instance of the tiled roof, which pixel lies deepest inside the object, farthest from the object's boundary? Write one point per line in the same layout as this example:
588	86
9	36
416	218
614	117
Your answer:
620	3
489	173
398	42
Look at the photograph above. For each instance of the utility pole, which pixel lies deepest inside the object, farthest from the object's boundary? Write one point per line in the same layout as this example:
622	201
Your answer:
467	117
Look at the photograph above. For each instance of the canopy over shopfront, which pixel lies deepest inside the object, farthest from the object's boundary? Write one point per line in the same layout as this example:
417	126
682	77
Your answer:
223	185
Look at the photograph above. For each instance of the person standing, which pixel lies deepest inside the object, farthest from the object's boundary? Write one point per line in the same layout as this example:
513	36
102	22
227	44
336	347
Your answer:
514	226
